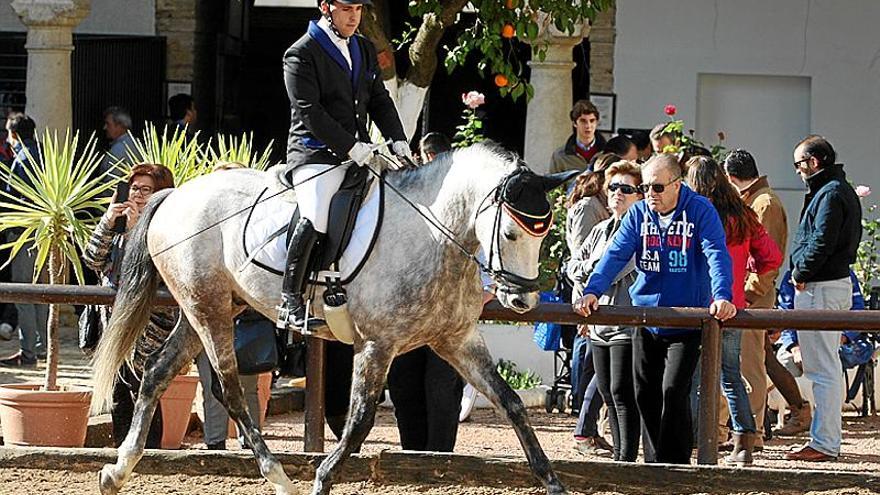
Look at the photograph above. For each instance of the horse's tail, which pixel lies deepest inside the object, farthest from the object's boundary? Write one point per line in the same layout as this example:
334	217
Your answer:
138	282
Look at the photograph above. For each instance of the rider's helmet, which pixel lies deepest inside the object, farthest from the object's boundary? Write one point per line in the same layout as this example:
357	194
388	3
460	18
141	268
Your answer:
346	2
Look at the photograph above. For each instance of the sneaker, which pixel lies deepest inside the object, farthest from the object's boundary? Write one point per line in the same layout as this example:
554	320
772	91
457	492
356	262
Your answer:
18	360
798	422
592	446
468	399
6	331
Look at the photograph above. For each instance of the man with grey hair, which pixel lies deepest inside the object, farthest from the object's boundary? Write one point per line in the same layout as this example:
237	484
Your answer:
677	241
117	123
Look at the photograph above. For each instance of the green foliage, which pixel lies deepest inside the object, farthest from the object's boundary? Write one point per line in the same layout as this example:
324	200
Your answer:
175	150
471	132
867	266
518	380
236	150
686	141
554	249
60	204
499	56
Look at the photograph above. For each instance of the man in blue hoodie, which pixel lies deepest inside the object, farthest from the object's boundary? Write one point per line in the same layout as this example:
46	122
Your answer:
681	256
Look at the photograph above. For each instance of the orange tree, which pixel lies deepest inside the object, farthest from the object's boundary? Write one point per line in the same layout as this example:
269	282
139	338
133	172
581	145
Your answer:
487	29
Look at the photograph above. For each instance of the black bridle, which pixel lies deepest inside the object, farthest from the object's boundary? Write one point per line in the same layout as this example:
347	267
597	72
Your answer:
534	225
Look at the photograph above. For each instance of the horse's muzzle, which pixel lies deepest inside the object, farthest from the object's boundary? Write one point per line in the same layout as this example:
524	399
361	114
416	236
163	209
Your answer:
520	303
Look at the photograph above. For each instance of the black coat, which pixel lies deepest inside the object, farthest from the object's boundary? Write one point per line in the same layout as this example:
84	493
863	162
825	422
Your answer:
329	107
830	229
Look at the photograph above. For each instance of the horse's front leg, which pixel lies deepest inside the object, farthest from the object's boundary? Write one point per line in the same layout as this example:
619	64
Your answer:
371	365
161	367
473	361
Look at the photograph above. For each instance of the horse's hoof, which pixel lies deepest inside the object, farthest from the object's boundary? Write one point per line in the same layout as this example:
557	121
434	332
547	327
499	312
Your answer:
556	489
107	482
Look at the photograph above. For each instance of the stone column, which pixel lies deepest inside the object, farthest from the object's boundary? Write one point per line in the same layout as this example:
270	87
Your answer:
49	44
547	122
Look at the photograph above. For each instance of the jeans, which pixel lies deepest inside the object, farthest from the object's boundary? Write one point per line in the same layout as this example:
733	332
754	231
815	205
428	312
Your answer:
822	364
216	422
584	387
426	392
732	383
32	318
125	394
663	368
614	375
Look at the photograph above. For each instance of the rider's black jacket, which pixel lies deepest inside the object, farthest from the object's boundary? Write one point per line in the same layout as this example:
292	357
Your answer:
329	103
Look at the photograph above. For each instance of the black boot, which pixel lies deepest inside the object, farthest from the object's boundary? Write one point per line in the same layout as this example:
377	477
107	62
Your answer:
292	311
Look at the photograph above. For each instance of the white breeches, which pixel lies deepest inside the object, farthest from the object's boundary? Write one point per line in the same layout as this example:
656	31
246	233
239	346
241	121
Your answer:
313	195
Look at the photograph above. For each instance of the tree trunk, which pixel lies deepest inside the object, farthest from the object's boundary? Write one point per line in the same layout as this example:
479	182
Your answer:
56	276
409	92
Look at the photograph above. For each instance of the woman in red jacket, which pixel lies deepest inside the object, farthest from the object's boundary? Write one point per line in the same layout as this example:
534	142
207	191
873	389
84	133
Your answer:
751	249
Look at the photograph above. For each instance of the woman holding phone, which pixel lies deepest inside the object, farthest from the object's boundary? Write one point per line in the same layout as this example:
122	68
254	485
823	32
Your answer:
104	255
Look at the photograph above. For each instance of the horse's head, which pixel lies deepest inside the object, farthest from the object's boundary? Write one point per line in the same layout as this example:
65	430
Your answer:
510	230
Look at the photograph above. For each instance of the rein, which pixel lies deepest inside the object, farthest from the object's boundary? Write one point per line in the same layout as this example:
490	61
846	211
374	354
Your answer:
512	283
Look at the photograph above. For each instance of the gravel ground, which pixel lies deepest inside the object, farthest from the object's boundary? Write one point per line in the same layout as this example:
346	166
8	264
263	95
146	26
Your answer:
43	482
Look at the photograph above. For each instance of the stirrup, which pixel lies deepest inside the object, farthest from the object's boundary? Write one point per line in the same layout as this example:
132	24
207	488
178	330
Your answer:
286	320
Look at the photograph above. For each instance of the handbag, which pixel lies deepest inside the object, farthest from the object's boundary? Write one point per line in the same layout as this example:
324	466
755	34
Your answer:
547	335
90	328
255	346
856	352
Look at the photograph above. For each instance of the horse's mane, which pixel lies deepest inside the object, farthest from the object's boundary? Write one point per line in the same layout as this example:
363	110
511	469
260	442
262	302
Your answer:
487	154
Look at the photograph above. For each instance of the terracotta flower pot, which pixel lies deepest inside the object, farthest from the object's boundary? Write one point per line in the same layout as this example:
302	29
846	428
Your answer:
33	417
264	393
176	404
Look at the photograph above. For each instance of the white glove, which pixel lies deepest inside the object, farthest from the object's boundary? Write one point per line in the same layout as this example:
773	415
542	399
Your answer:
401	148
360	153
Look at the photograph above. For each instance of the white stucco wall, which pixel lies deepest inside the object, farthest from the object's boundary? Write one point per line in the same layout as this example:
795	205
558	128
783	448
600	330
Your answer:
662	47
132	17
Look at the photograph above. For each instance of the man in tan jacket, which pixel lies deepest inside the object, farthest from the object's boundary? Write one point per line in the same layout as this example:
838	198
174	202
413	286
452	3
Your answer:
760	289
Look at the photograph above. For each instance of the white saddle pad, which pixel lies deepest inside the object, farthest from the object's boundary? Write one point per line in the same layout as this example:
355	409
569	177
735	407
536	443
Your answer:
268	217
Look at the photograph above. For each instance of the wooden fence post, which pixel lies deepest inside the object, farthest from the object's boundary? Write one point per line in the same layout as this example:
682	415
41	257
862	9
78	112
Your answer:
710	377
313	439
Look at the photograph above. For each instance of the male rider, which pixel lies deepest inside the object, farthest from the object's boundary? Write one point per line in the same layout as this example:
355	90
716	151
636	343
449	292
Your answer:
333	82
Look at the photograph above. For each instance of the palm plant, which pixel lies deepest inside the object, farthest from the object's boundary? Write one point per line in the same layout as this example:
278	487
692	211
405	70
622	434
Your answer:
56	210
238	150
173	149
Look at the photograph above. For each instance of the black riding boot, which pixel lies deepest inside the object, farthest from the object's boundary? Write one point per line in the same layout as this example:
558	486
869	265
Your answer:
292	311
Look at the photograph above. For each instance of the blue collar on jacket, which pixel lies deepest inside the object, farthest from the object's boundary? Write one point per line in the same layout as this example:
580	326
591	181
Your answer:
330	49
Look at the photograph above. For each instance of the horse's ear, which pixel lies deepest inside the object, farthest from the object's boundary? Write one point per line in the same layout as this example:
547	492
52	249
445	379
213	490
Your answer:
553	181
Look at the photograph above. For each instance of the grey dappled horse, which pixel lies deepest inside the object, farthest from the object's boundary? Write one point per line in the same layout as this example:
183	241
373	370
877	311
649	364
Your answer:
416	289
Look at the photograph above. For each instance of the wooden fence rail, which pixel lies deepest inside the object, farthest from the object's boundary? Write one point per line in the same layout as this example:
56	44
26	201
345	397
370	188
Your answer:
707	451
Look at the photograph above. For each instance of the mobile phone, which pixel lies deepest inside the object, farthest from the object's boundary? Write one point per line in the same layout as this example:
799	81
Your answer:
121	197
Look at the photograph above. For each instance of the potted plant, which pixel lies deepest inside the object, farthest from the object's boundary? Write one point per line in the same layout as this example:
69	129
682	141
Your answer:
56	209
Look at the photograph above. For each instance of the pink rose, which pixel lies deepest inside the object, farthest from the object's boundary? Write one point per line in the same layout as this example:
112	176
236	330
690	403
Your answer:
669	109
863	191
473	99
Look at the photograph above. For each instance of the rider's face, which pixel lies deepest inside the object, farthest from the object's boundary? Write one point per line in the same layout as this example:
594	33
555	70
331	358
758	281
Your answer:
345	17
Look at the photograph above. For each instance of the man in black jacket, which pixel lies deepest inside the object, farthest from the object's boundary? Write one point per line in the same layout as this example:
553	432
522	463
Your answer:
333	82
824	248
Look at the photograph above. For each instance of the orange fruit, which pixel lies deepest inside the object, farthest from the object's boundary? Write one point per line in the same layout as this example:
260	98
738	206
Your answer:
501	80
510	4
507	31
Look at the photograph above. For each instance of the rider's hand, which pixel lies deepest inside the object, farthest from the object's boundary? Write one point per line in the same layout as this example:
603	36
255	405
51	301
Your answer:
722	310
360	153
401	149
586	305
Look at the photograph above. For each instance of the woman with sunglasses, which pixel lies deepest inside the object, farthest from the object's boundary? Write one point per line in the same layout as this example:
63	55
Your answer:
612	345
586	207
751	249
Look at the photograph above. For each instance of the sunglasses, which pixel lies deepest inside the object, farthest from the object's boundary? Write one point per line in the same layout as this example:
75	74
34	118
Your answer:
797	164
657	188
624	188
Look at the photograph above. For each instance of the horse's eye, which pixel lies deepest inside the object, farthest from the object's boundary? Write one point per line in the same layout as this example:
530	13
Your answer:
510	236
